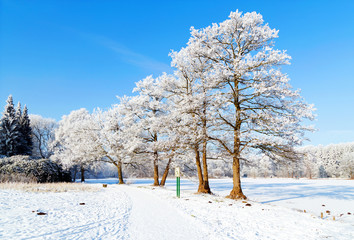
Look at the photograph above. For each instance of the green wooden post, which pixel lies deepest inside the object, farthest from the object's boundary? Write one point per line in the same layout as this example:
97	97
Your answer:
178	182
178	187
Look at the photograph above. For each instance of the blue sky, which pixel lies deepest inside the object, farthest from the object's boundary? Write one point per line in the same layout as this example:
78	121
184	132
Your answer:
58	56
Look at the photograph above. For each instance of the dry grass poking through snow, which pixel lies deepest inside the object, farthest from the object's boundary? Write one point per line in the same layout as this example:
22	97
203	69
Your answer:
50	187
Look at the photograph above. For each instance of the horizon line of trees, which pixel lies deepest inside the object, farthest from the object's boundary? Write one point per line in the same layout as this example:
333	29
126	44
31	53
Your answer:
334	160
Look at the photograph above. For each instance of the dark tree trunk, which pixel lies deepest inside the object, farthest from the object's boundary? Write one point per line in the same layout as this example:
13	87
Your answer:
165	174
204	188
199	168
156	169
82	170
40	147
120	173
236	192
119	169
74	173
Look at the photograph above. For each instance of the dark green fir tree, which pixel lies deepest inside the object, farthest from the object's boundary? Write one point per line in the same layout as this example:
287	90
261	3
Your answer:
26	144
10	135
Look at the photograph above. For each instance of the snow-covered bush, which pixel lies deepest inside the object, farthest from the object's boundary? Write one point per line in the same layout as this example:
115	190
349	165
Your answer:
346	166
26	169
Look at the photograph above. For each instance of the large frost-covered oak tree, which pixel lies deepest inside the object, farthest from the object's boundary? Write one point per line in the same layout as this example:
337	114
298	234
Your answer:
257	108
146	117
112	139
191	96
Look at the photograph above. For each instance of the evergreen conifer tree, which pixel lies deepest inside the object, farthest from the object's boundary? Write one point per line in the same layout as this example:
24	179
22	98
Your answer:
25	146
18	112
20	140
9	130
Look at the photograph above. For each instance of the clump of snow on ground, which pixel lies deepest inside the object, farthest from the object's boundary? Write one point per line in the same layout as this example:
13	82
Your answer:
274	210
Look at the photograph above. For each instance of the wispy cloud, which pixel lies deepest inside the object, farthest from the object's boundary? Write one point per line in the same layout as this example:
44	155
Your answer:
132	57
126	54
342	132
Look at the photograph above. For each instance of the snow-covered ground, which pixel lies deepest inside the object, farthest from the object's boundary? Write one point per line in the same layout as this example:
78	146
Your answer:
140	211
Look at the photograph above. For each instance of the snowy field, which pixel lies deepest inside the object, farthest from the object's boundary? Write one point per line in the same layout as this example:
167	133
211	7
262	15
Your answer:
140	211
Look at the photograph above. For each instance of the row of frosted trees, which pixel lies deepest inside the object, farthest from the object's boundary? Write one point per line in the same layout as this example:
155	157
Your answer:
334	160
227	99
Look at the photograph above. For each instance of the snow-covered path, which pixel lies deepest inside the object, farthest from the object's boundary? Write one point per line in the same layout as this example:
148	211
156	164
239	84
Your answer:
152	218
